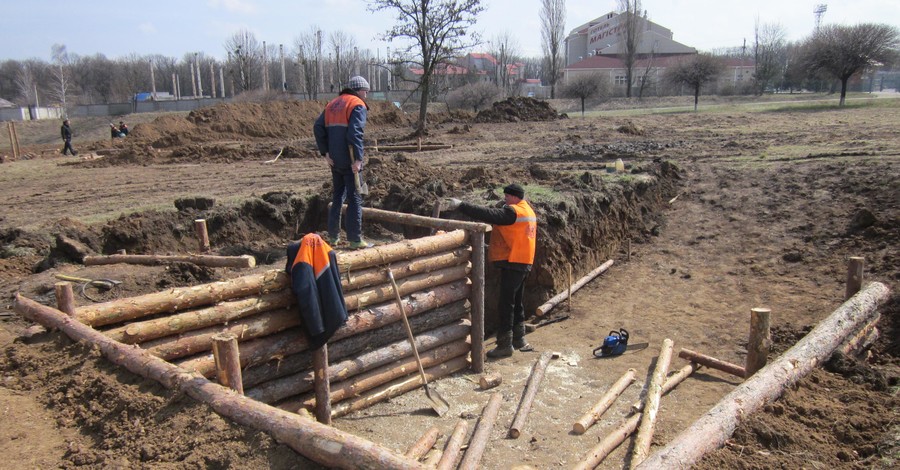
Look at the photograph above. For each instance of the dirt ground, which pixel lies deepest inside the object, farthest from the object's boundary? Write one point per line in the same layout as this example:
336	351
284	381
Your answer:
770	204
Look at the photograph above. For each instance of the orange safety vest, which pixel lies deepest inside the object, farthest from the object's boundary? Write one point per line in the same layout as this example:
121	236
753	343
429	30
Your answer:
515	243
337	113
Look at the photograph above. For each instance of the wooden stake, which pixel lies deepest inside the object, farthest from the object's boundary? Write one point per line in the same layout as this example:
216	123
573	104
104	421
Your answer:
654	393
454	446
202	234
854	276
760	341
65	298
605	402
322	385
477	301
489	381
712	429
569	294
213	261
543	309
228	361
531	389
482	434
424	444
712	362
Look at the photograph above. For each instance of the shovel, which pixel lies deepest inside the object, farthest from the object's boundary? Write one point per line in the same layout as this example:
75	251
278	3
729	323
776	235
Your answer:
438	403
361	186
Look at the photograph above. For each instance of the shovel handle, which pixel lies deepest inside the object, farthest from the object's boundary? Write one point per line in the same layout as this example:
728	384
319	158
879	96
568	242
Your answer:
409	333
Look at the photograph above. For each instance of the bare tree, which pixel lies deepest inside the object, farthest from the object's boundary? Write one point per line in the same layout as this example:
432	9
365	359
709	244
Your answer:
475	96
695	72
553	30
586	86
505	50
631	25
769	53
306	49
844	51
342	45
26	82
244	57
437	31
61	75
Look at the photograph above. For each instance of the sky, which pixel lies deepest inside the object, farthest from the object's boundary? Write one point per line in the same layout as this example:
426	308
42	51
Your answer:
176	28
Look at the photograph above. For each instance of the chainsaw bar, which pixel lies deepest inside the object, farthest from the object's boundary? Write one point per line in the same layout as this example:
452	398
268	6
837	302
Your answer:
631	348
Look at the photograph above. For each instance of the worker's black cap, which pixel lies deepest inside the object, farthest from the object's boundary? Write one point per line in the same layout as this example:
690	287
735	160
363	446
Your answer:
515	190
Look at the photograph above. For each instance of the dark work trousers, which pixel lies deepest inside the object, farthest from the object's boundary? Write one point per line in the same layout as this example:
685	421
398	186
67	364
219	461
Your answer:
345	189
68	147
509	304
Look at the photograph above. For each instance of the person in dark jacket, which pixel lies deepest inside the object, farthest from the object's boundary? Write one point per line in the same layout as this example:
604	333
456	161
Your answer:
66	133
513	241
123	129
339	136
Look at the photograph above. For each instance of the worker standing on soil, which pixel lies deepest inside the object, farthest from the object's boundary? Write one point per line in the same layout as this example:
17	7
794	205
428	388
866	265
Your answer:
513	240
339	136
66	133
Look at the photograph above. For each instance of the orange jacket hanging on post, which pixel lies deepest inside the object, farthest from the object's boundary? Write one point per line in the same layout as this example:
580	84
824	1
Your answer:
316	282
515	243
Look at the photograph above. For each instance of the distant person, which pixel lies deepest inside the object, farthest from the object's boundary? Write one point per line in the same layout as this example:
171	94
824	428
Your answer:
339	136
123	129
114	131
66	133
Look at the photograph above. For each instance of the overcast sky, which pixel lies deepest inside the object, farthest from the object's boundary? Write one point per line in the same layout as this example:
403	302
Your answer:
28	29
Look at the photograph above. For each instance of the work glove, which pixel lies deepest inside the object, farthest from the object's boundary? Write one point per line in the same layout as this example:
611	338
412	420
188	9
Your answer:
452	203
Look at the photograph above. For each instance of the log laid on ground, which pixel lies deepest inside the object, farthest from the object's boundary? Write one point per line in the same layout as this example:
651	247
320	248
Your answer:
712	362
423	444
547	306
591	417
760	340
180	298
423	221
378	275
322	385
713	428
413	148
453	447
531	389
382	293
432	459
228	362
213	261
408	249
628	425
397	388
323	444
225	312
482	434
867	335
654	393
488	381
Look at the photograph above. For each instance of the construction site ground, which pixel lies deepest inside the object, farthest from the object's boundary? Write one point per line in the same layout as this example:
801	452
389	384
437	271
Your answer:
763	209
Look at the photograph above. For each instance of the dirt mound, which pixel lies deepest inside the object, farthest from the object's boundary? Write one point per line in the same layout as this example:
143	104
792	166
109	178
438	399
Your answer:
517	109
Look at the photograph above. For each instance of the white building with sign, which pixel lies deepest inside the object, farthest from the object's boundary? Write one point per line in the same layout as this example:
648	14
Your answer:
604	36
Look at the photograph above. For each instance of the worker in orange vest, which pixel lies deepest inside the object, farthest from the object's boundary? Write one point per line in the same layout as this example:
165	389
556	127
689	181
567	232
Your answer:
513	240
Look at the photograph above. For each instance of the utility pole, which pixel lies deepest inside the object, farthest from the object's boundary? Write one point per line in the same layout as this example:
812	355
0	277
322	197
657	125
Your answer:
222	81
320	72
265	67
199	82
283	76
193	82
152	82
212	79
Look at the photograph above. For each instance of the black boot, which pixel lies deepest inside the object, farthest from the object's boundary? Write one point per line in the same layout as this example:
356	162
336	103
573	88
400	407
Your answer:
504	346
518	338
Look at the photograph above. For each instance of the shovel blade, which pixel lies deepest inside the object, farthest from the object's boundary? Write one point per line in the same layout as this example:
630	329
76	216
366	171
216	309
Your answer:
438	404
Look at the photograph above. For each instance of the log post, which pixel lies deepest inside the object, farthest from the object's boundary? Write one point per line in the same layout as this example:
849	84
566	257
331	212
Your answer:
454	446
472	458
424	444
531	389
202	234
477	301
760	340
713	428
547	306
854	276
228	361
605	402
654	393
322	385
65	298
489	381
712	362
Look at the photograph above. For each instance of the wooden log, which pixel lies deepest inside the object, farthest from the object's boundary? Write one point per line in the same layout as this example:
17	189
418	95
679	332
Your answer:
531	389
228	362
320	443
423	444
591	417
453	447
489	381
202	234
712	362
397	388
547	306
301	382
222	313
424	221
477	299
713	428
65	298
760	340
413	148
193	342
322	385
408	249
630	424
378	275
432	458
383	293
854	276
862	339
213	261
654	393
374	318
181	298
482	434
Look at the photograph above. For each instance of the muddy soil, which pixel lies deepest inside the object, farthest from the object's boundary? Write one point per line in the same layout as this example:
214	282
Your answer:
769	207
